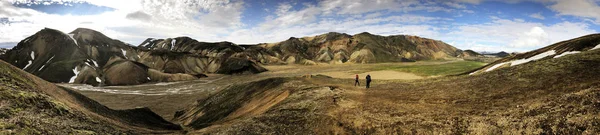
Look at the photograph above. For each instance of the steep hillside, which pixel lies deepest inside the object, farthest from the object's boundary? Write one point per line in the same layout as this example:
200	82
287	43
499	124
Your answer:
89	57
560	49
30	105
360	48
275	106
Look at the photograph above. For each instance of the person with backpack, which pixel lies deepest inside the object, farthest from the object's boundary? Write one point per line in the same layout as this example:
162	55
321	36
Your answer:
368	81
356	81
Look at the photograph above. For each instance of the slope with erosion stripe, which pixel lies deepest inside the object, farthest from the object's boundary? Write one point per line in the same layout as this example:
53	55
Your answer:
31	105
186	55
560	49
275	105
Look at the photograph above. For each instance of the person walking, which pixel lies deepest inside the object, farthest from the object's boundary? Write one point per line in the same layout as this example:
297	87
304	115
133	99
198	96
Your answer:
368	81
356	82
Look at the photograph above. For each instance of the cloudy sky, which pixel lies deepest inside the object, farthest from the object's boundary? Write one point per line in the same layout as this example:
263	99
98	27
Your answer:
481	25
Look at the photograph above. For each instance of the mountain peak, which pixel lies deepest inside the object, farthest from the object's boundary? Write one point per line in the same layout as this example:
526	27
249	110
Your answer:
364	33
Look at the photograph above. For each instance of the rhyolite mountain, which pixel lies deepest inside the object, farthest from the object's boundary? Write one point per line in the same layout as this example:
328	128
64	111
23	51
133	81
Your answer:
500	54
186	55
557	50
360	48
89	57
469	53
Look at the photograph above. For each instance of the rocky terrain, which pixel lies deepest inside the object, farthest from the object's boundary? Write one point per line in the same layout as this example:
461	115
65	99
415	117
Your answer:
30	105
560	49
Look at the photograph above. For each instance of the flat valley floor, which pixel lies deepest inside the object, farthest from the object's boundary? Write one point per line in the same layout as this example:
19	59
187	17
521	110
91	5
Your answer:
166	98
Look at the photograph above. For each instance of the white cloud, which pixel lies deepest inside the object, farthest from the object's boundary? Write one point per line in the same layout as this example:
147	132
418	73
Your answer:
469	1
532	38
512	35
283	9
139	15
390	25
206	20
8	10
580	8
455	5
342	7
132	21
537	16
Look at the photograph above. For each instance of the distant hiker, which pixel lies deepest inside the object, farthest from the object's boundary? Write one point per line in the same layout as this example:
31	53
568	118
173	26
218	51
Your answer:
356	81
368	81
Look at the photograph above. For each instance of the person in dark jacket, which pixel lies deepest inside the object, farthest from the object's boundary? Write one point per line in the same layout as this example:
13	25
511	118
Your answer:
368	81
356	81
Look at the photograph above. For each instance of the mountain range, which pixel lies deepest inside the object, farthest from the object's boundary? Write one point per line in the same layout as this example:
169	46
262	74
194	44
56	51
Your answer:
89	57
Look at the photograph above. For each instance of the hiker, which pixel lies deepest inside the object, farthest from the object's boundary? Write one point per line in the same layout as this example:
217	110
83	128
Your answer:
356	81
368	81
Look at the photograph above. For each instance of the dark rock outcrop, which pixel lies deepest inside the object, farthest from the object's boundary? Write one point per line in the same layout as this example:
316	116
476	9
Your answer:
239	66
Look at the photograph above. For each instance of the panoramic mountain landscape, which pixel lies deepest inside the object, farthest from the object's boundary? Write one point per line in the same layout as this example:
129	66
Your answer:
299	67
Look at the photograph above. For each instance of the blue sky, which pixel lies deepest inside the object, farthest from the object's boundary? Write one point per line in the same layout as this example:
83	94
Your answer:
480	25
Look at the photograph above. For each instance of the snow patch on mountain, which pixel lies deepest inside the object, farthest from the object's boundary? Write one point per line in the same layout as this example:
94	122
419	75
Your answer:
32	54
42	67
124	52
533	58
173	44
495	66
95	63
75	76
74	41
596	47
28	64
566	53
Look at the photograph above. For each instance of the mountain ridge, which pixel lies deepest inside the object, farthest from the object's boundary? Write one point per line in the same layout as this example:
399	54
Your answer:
556	50
89	52
89	57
